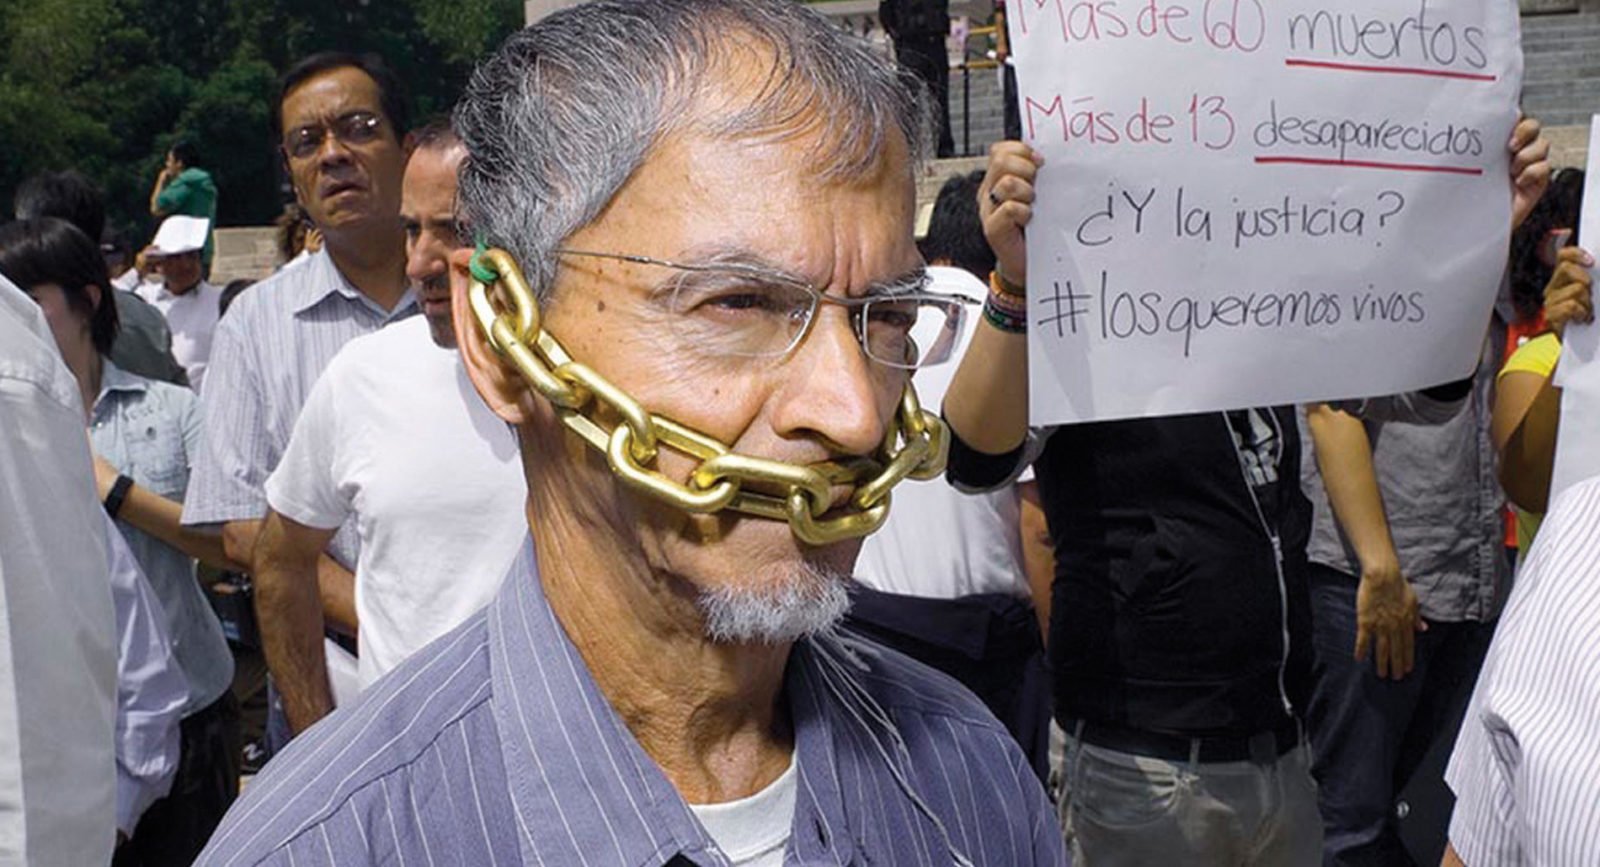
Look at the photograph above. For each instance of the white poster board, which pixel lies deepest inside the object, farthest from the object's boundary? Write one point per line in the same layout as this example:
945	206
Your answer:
1248	202
1578	375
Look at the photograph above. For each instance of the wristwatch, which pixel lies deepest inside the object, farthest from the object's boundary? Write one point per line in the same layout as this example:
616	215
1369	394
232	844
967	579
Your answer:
119	492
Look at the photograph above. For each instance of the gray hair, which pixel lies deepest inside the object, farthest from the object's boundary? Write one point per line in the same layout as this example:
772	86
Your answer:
558	119
778	605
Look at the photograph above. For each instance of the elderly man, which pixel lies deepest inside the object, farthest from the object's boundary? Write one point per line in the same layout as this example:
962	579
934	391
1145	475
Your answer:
710	389
392	415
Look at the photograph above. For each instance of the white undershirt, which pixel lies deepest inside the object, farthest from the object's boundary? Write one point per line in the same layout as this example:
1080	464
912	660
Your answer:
753	831
192	319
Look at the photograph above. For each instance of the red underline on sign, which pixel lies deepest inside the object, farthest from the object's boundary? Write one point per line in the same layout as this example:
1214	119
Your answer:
1368	164
1390	70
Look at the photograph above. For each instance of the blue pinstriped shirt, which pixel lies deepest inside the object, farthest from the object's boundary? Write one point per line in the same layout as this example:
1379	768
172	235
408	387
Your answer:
265	356
494	746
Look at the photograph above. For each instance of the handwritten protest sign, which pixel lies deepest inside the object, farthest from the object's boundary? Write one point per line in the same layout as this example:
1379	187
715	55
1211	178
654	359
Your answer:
1248	202
1578	373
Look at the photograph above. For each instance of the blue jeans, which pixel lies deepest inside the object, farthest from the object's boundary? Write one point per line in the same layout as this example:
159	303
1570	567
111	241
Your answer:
1368	735
1117	808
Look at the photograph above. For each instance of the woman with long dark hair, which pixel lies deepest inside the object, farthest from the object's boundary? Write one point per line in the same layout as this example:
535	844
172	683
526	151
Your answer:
144	434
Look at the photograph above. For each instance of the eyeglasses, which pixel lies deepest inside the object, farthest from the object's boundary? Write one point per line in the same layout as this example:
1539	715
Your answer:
738	309
355	128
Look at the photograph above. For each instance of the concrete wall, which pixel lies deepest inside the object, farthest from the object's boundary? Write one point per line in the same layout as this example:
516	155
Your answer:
246	252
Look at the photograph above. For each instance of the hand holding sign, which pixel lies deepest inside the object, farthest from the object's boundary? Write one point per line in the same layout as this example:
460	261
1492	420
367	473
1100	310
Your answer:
1530	168
1568	296
1005	204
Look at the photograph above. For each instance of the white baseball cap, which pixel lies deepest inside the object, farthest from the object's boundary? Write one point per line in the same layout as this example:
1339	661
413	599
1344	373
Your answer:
179	235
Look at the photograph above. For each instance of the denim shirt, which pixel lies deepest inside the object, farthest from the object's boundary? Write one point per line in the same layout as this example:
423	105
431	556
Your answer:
1443	501
149	430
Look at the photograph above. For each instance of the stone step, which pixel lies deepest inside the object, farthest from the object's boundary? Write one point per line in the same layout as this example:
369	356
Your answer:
1541	81
1533	42
1560	87
1576	44
1559	61
1554	24
1559	22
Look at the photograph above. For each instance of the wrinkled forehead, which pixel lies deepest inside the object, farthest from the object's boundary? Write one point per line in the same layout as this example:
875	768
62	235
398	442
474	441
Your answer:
701	197
747	89
747	138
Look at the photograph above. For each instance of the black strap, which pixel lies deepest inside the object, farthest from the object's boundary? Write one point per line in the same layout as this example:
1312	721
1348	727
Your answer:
119	492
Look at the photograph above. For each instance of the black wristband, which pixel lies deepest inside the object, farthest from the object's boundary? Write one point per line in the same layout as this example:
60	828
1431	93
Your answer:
119	492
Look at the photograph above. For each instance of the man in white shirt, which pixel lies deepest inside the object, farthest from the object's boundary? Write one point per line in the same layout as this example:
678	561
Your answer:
58	642
1523	770
190	304
394	435
945	580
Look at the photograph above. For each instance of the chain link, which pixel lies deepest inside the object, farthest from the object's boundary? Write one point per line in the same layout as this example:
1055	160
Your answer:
913	447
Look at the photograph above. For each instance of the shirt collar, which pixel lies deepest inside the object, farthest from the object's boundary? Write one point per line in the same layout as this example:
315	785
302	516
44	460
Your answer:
164	291
572	764
324	280
114	379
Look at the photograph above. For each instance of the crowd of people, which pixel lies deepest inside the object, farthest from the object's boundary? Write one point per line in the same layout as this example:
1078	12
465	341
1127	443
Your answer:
625	474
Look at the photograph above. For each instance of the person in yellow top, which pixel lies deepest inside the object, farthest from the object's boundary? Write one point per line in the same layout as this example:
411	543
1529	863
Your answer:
1527	407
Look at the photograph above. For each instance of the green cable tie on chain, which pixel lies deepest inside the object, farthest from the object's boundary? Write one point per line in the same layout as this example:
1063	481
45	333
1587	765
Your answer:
481	271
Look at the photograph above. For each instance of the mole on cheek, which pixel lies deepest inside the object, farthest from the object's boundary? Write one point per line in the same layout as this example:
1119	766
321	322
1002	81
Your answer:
599	306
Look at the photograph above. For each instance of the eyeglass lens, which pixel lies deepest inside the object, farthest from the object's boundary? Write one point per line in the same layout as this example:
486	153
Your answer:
737	315
356	128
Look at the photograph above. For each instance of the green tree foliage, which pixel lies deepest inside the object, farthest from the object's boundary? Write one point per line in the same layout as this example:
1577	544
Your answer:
106	86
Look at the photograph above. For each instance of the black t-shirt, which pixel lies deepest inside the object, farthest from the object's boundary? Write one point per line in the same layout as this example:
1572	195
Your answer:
1169	611
1259	440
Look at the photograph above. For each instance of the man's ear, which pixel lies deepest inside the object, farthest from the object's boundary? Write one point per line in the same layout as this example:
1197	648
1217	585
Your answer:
497	381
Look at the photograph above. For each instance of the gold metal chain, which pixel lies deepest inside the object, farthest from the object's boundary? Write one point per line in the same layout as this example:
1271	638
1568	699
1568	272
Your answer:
914	446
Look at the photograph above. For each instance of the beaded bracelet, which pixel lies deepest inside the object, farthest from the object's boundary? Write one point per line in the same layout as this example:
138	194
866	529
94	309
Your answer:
1007	319
1001	286
1006	307
1012	304
1005	322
